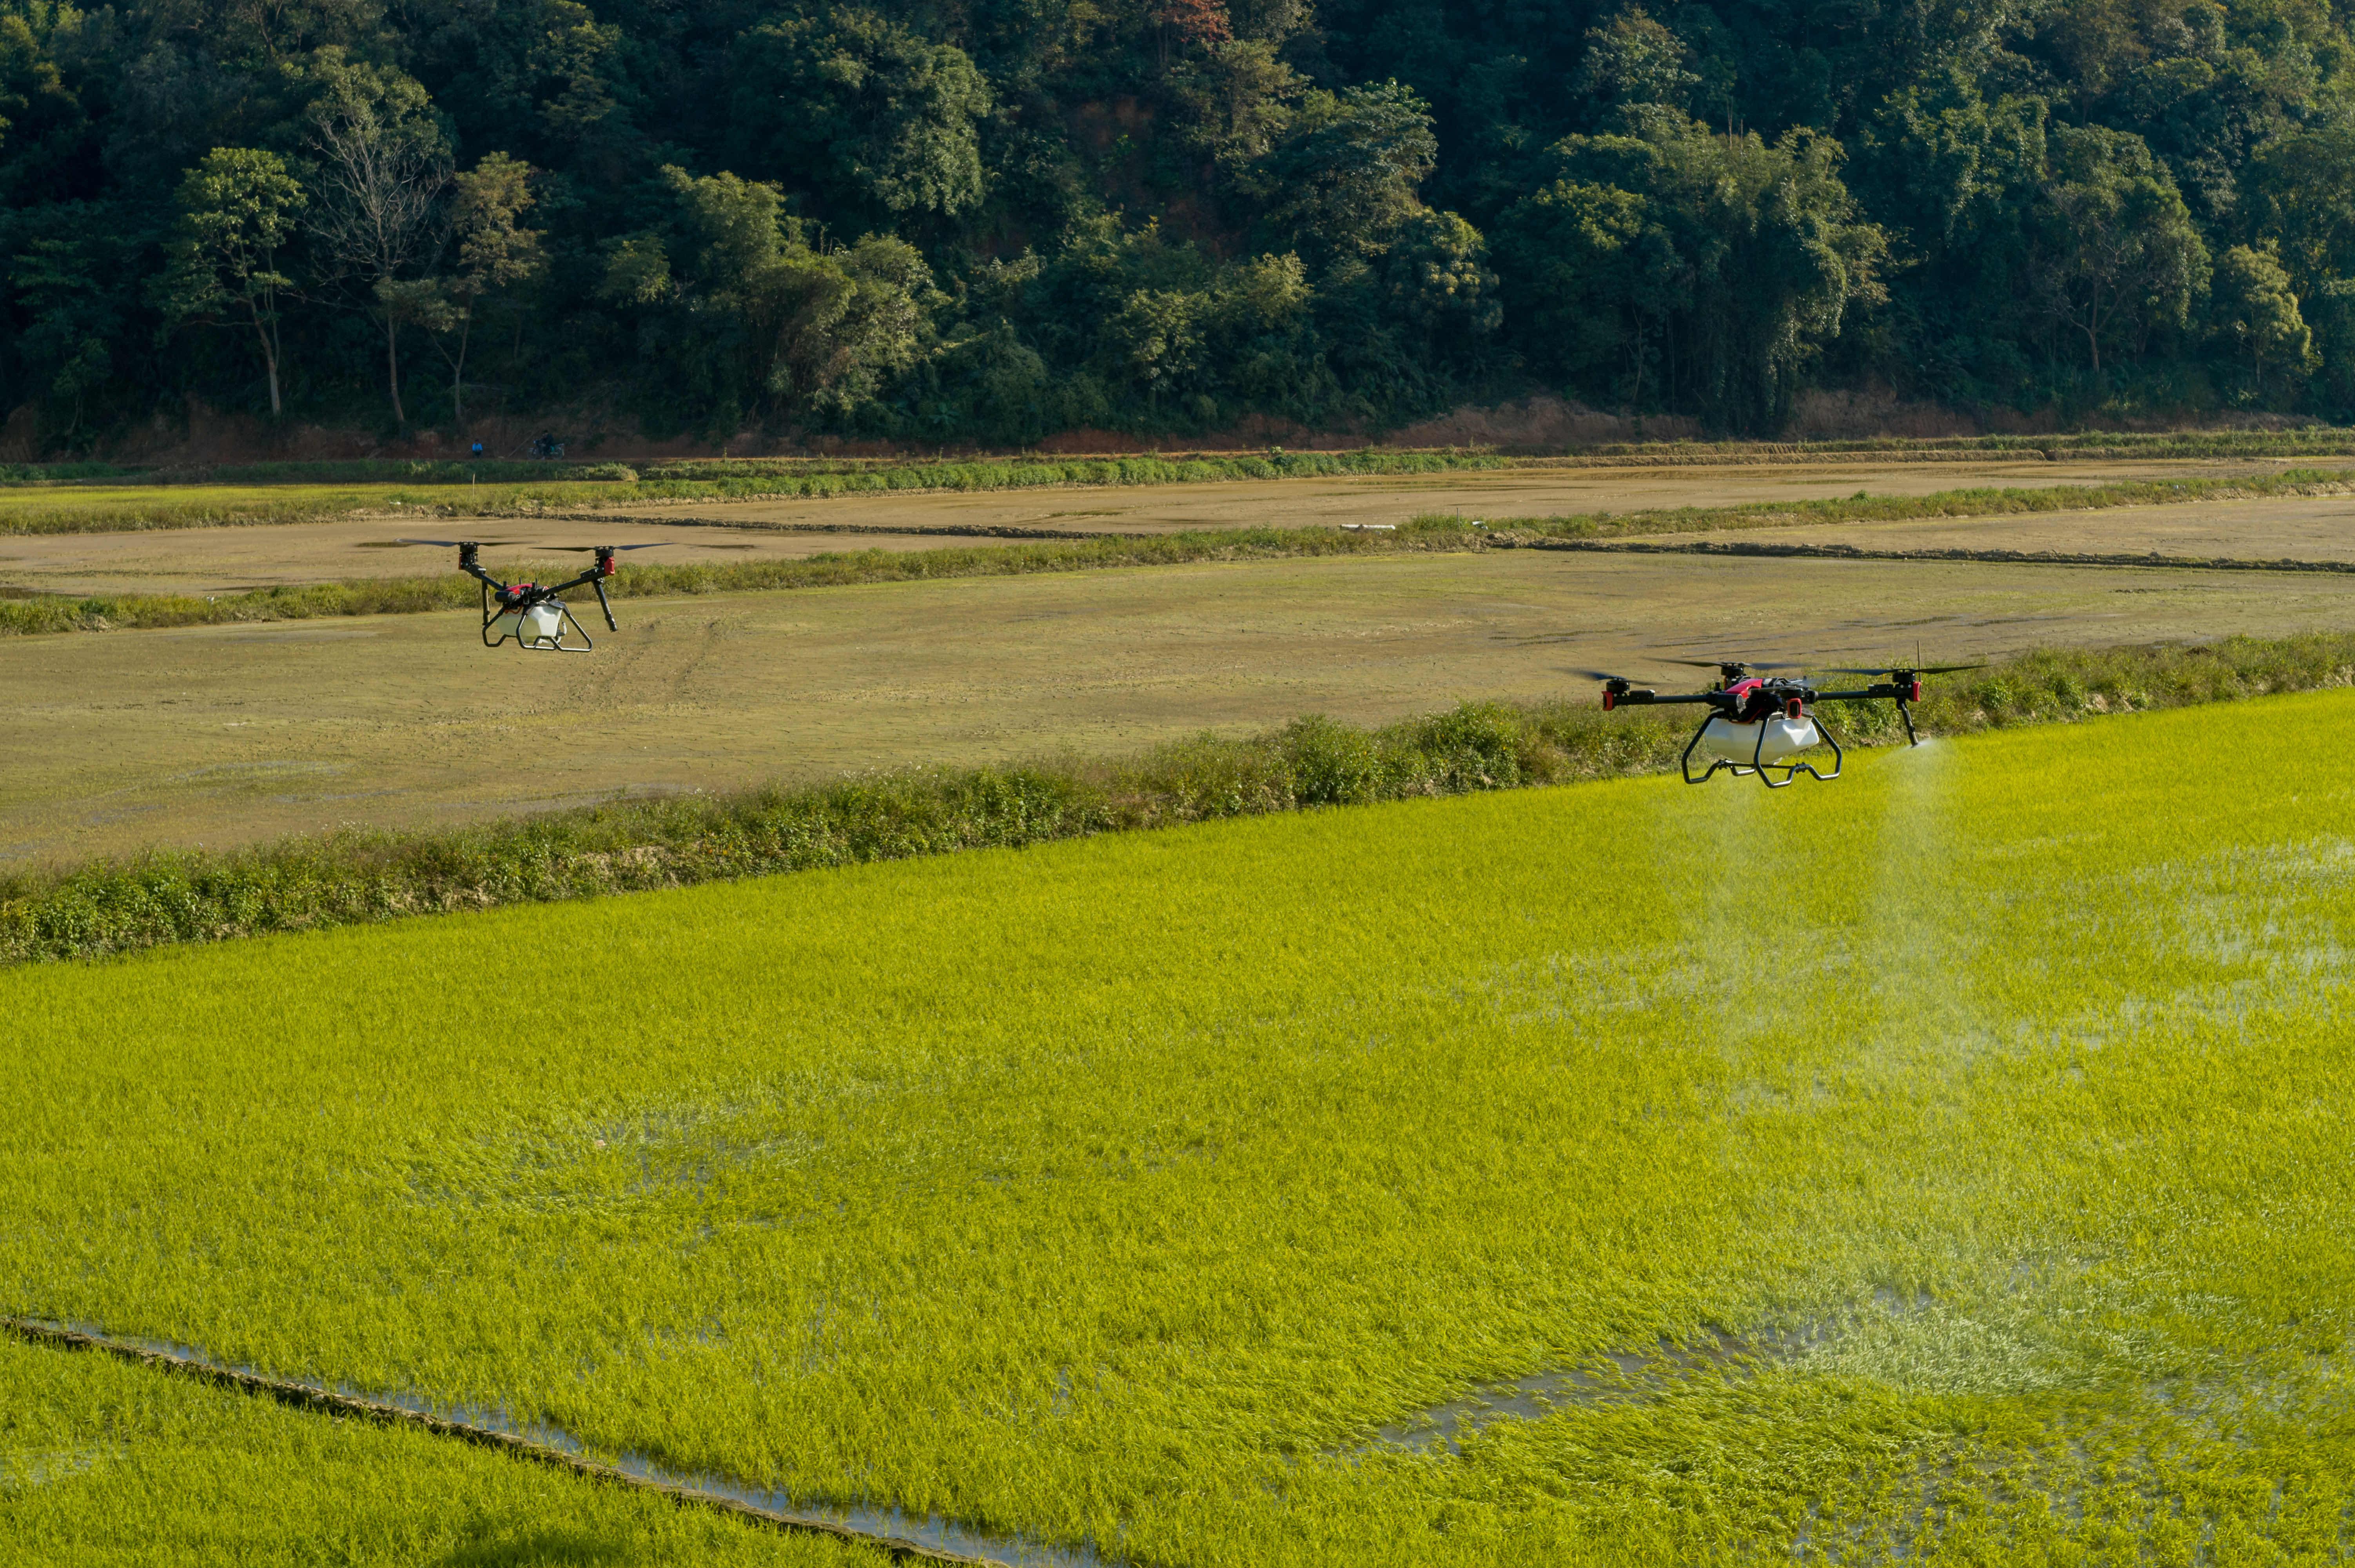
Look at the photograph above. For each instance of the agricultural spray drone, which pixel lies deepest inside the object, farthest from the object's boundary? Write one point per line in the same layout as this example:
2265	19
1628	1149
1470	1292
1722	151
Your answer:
1761	724
531	612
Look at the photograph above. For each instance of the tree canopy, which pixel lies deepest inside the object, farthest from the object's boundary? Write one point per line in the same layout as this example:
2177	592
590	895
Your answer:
992	221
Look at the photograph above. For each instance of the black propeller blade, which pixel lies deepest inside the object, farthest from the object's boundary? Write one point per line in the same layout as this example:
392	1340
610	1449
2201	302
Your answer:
1592	674
1902	669
457	544
586	548
1727	664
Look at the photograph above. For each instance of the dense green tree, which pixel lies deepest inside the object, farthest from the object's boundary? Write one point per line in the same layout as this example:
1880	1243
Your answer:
999	219
1727	261
2120	254
1346	172
67	266
887	119
1632	60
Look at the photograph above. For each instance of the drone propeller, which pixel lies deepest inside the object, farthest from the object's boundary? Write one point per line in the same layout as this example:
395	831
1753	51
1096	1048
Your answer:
458	544
608	548
1591	674
1902	669
1729	664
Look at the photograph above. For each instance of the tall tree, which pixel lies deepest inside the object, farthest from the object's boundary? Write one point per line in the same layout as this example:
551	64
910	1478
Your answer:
238	211
2257	313
494	252
383	166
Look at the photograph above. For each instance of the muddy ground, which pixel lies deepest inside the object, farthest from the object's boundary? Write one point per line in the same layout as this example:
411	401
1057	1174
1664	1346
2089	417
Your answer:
223	735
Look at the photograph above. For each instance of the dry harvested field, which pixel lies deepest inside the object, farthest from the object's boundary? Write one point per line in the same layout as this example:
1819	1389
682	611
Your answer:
1520	491
227	734
219	561
235	560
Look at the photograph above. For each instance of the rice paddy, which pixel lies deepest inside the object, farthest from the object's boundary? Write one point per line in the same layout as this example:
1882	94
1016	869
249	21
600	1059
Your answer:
1945	1165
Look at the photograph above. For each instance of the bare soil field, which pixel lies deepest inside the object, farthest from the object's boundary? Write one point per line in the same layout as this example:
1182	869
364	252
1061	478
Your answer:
227	734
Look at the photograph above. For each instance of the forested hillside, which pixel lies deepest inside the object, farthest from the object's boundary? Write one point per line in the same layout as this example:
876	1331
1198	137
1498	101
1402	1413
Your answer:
987	220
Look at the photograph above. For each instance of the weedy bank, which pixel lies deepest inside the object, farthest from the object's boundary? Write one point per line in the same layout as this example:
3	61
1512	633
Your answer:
248	496
1941	1165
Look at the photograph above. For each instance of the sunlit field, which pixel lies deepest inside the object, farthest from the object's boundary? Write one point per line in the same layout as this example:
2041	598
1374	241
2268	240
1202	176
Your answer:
1946	1165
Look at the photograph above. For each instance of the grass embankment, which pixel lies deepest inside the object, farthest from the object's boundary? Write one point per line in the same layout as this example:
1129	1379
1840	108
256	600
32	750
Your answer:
641	578
2081	447
2322	441
1978	501
1123	1191
1435	531
358	877
125	508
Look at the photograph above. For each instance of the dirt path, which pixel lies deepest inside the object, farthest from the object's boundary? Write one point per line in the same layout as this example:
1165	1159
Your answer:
221	735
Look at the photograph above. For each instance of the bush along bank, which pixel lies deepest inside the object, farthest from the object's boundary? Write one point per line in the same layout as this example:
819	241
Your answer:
358	877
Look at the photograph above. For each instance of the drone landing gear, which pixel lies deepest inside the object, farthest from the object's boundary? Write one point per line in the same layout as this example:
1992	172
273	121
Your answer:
1759	765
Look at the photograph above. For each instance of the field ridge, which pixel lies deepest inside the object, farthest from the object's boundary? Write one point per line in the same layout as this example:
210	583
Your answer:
316	1397
257	505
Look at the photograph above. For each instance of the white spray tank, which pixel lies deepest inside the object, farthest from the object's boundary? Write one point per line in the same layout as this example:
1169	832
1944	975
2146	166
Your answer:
1783	738
540	626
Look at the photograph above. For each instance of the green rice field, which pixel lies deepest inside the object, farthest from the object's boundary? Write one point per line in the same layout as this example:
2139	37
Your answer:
1949	1164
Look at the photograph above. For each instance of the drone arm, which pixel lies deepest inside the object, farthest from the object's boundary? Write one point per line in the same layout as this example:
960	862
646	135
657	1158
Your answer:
571	583
473	570
1639	696
1904	695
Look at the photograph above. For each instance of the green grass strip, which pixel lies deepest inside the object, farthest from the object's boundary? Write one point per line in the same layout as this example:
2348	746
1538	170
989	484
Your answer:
2325	441
2321	440
119	507
1981	501
359	876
